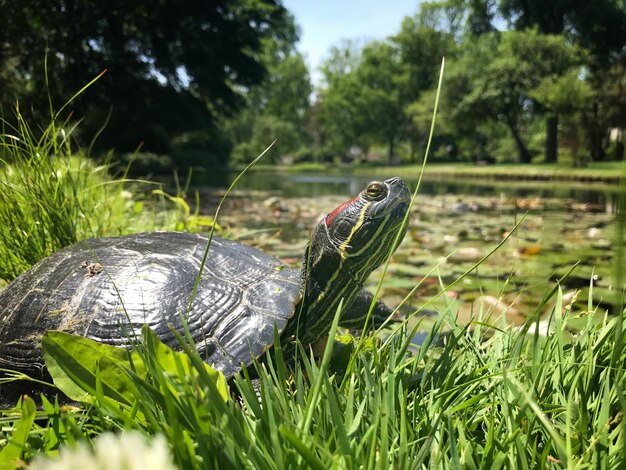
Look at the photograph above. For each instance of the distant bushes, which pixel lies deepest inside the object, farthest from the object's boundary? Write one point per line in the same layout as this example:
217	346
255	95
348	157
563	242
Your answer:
206	148
203	149
146	163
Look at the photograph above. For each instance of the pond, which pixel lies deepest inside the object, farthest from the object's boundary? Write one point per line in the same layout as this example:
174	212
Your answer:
333	183
453	225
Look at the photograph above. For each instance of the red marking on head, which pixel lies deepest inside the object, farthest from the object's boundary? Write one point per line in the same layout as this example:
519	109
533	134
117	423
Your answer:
330	217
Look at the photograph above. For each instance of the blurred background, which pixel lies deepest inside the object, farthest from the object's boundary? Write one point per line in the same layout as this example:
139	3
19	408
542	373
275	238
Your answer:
210	84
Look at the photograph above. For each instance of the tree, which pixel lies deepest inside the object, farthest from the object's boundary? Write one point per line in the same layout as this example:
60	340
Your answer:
547	57
172	65
423	40
382	78
498	74
339	111
264	131
421	115
361	103
563	95
598	27
277	107
480	17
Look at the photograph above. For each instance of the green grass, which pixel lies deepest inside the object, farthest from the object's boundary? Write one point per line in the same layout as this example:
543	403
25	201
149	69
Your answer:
473	398
293	168
52	196
599	173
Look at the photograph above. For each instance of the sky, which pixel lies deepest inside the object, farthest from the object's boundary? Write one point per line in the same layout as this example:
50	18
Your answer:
324	23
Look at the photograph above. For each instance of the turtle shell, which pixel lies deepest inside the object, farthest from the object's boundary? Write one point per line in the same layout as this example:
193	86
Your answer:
106	289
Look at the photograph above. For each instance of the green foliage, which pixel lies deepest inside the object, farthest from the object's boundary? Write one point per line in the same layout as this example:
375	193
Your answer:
207	148
185	220
231	71
381	77
597	26
285	92
14	447
266	129
479	396
361	105
277	107
339	112
369	93
422	42
421	112
145	163
512	79
84	369
172	66
513	398
51	197
498	75
564	93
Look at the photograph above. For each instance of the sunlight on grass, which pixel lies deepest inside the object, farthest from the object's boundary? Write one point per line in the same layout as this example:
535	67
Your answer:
475	397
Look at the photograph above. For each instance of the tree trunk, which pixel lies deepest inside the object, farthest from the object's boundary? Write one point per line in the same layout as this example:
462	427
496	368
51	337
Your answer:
618	154
522	151
552	126
413	150
596	150
391	156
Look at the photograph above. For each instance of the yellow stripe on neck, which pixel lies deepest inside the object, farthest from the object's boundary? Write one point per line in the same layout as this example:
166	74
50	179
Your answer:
346	242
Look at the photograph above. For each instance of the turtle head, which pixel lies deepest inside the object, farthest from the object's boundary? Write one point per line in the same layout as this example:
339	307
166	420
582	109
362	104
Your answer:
350	242
345	247
363	230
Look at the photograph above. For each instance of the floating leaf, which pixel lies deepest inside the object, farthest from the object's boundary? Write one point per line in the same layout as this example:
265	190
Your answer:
529	250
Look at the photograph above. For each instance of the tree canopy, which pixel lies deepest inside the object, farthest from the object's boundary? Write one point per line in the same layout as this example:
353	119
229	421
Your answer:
560	66
208	81
171	65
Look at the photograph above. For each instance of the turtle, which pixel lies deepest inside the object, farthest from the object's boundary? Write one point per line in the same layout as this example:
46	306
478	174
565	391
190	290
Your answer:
106	289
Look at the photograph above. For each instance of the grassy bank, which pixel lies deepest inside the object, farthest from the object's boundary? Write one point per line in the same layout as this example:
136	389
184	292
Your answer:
602	173
597	173
51	196
515	400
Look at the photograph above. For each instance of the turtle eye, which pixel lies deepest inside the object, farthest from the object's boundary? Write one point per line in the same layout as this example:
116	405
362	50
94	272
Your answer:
375	190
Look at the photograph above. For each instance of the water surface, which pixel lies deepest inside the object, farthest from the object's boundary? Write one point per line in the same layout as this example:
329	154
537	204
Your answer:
454	223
